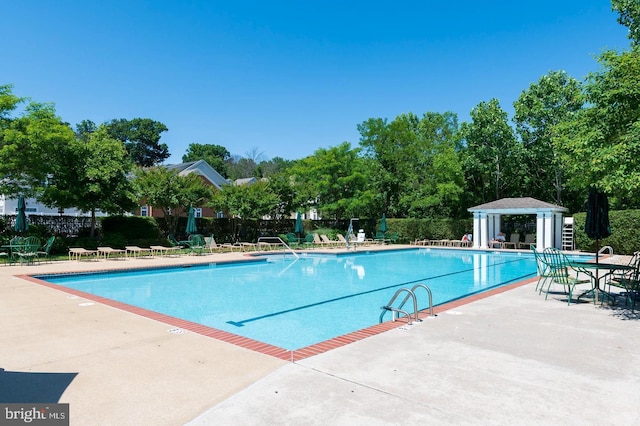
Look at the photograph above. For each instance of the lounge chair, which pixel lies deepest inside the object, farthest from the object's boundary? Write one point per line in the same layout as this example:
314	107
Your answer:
529	241
76	253
107	252
212	246
327	242
165	250
135	251
514	241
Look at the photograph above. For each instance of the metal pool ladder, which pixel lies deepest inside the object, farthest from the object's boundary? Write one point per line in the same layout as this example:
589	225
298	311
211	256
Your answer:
410	293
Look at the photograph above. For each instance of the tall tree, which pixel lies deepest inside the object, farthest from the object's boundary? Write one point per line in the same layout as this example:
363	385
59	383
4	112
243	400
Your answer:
629	16
435	179
90	174
141	138
492	156
600	145
555	98
335	181
251	201
8	103
173	193
389	145
84	129
216	155
416	168
28	145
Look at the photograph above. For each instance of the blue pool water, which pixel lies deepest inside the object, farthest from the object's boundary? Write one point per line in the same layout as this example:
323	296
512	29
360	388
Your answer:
293	303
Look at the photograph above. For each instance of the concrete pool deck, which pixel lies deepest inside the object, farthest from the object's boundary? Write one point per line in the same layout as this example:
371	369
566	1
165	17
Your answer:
509	358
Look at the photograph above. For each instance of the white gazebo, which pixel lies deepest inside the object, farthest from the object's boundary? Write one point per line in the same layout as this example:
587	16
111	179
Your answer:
487	217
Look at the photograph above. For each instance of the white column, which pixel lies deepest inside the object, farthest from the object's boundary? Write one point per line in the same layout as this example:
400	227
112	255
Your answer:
483	230
548	229
477	226
540	231
557	230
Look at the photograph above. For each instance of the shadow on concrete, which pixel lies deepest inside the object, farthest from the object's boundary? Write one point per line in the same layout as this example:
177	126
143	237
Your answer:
18	386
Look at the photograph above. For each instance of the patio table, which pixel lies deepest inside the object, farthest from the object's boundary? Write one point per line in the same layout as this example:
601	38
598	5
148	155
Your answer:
610	268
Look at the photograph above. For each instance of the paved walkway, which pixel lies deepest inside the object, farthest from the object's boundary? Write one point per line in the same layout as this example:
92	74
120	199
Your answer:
512	358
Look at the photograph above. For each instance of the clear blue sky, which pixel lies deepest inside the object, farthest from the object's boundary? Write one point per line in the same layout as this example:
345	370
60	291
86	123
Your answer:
285	78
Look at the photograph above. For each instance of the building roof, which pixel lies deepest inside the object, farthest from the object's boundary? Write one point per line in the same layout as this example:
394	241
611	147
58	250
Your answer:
201	168
245	181
525	205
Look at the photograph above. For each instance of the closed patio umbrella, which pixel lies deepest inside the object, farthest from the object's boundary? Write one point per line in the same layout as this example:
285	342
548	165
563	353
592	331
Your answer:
597	226
383	224
191	222
299	228
21	219
597	223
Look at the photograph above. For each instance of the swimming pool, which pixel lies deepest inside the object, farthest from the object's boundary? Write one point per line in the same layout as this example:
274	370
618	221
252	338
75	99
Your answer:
293	303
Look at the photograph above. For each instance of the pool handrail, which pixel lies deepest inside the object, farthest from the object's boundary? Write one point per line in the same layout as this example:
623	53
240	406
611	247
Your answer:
280	241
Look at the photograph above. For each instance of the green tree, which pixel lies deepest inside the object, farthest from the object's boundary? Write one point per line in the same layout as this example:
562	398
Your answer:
216	155
492	157
90	174
414	166
389	146
629	16
173	193
141	138
250	201
600	144
28	145
8	103
84	129
335	181
434	177
555	98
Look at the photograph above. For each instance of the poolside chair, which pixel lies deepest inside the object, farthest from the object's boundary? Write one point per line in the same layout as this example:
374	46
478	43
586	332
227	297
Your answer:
43	252
628	280
135	251
76	253
342	239
196	244
514	241
175	243
529	241
292	240
163	250
212	246
107	252
560	272
27	251
380	238
328	242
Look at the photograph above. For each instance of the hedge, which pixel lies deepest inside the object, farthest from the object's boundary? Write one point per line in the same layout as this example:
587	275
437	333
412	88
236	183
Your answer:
625	232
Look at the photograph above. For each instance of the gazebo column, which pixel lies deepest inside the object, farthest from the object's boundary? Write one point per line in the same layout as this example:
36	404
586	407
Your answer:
540	231
494	225
545	230
477	229
480	230
557	230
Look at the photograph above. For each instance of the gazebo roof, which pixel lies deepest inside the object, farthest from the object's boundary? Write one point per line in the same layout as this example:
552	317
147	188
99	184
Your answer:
525	205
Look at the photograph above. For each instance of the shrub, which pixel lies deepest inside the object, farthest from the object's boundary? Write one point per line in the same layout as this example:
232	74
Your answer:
625	232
